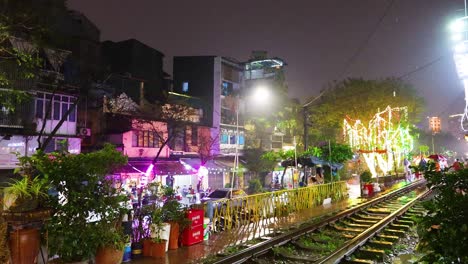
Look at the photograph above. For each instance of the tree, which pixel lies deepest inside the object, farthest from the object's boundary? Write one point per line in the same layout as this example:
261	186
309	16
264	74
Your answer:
28	30
359	99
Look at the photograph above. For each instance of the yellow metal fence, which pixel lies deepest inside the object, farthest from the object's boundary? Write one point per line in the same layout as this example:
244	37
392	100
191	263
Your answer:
228	213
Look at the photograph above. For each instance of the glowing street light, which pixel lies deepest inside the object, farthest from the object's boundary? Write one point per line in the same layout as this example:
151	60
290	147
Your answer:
459	29
261	94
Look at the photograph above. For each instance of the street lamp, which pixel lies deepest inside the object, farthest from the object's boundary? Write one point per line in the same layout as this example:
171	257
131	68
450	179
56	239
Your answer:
459	30
260	95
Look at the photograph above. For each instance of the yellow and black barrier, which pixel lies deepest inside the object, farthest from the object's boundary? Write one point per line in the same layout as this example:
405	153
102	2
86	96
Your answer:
255	208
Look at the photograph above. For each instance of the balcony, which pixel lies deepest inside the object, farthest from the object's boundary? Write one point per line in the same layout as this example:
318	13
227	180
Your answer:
20	116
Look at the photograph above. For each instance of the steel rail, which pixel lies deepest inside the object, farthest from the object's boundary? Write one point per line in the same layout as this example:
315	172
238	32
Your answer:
358	241
262	247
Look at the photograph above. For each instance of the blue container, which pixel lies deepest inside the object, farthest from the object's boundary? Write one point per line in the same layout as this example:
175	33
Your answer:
127	253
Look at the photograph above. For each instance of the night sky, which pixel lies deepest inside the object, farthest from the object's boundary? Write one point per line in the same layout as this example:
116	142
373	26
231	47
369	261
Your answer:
315	37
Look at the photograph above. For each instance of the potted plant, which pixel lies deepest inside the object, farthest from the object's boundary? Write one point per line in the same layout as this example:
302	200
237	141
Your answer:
366	178
21	201
174	213
83	196
25	194
158	244
111	243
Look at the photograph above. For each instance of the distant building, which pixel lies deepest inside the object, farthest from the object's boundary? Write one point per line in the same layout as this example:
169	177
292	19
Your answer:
260	70
435	124
218	81
136	60
20	127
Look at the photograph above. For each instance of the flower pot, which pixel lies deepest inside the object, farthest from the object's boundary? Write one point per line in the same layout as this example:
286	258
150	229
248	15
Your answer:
108	255
24	245
147	247
174	236
165	233
158	250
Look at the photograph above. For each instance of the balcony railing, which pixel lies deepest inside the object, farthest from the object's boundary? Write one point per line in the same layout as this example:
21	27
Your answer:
19	117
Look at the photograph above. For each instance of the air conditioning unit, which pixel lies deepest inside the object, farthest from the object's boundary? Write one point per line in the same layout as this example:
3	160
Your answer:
84	132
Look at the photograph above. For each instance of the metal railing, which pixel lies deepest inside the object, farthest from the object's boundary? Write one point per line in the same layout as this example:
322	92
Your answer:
229	213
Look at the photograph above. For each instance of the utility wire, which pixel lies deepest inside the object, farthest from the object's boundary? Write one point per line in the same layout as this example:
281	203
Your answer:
358	52
361	48
421	67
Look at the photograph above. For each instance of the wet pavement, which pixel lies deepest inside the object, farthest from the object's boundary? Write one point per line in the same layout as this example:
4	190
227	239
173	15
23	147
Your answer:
237	236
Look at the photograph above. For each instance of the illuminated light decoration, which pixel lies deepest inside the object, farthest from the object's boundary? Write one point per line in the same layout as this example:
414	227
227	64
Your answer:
145	177
384	141
459	30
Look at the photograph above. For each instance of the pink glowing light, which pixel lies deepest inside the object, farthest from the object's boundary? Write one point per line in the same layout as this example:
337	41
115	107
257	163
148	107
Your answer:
202	172
149	170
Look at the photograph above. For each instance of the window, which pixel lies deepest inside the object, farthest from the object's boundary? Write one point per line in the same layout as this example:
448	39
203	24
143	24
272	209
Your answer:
232	139
227	88
40	109
56	145
194	135
224	139
185	87
241	140
56	106
145	139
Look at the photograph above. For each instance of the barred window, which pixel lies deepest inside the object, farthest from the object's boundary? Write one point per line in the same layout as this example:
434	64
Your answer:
145	139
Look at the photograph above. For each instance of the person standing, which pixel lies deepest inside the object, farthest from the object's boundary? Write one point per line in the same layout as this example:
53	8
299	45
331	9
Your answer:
407	164
457	165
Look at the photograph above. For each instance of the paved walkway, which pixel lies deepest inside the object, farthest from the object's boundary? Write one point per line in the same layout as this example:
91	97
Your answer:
221	240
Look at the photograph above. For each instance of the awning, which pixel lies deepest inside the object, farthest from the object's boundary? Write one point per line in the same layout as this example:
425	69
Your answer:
211	165
160	168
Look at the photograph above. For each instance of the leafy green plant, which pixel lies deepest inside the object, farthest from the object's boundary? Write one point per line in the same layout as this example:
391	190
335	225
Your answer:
173	211
80	195
443	231
110	235
366	176
157	224
24	191
255	186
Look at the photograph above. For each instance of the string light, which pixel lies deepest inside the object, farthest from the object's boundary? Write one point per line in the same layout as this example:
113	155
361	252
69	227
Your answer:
383	141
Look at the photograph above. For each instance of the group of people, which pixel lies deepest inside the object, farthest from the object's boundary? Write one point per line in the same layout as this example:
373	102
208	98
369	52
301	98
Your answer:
438	165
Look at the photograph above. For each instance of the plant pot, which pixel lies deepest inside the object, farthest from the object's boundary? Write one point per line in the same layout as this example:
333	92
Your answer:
165	233
108	255
24	245
174	236
137	250
147	247
158	250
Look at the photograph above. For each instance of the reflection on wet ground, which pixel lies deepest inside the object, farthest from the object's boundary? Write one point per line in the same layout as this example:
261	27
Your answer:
241	235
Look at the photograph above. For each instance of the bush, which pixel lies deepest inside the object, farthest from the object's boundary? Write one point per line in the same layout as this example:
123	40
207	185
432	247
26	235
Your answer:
366	176
227	185
443	231
255	186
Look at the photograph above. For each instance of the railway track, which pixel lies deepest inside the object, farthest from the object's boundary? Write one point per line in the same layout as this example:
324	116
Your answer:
358	235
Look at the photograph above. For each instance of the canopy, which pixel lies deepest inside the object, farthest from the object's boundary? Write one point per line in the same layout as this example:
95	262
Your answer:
437	157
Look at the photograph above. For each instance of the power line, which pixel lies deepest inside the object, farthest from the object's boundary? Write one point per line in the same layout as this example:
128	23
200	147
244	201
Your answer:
422	67
350	61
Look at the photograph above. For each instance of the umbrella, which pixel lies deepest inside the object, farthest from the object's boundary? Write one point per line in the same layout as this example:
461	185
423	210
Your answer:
437	157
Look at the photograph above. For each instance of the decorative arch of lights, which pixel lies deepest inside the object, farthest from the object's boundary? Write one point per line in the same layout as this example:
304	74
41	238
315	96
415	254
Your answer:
383	142
459	29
